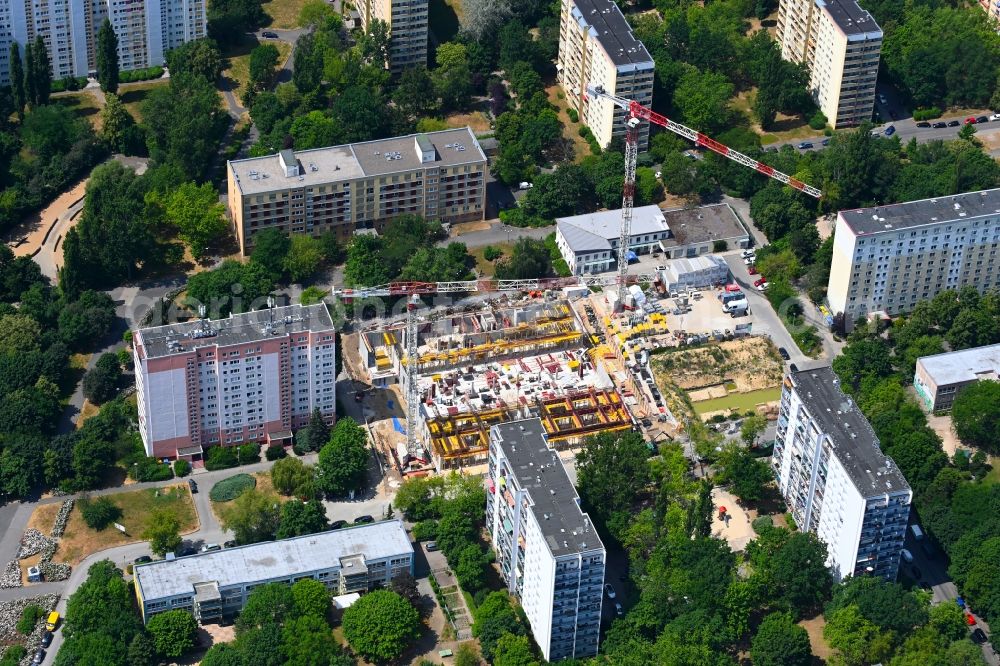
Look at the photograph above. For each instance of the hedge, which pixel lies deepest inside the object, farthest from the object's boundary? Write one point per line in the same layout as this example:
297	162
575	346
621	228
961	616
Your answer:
69	83
927	114
182	467
275	452
231	488
133	75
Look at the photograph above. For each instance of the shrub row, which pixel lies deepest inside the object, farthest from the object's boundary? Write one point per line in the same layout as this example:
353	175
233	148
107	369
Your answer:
69	83
134	75
927	114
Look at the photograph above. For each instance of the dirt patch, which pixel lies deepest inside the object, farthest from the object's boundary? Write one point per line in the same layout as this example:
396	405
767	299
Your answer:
749	364
814	627
44	517
469	227
89	409
571	129
735	524
137	507
476	120
941	424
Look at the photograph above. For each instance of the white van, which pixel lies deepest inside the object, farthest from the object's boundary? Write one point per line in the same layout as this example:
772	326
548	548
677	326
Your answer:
908	556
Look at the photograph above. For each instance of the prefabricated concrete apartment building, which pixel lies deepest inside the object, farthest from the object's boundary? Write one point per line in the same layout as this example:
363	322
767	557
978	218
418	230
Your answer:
253	377
359	186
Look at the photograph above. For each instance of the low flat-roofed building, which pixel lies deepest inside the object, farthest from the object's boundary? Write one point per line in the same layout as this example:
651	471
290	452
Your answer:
696	272
940	378
589	243
215	585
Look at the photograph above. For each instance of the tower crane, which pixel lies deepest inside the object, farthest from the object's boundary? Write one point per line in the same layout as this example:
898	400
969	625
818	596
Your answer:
414	290
636	113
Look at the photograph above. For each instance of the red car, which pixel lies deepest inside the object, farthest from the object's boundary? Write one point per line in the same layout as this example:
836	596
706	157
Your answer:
969	620
759	282
971	120
751	269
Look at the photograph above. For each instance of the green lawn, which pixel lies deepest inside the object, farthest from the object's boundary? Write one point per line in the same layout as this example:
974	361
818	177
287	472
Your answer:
238	67
740	401
134	94
84	105
284	13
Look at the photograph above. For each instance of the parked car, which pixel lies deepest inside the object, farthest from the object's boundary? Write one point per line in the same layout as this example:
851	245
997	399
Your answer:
890	130
432	546
939	125
969	620
971	120
39	656
995	116
230	544
610	591
184	551
960	601
805	145
47	639
52	621
783	353
825	142
760	281
881	99
192	485
363	520
618	609
982	119
907	555
752	269
338	524
267	34
750	260
143	559
978	635
210	547
923	123
763	286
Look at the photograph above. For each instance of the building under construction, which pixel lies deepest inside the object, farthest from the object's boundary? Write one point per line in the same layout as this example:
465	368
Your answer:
498	362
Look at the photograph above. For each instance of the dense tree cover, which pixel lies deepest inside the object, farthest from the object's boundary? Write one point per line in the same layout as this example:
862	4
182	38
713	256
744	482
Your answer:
312	436
528	259
975	415
381	625
199	57
228	20
954	507
101	383
197	215
252	517
231	288
780	642
495	619
343	461
747	475
173	632
119	129
100	623
612	472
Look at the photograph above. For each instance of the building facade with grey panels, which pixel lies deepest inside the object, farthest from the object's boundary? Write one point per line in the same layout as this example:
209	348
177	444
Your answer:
939	379
835	479
889	258
547	549
359	186
214	586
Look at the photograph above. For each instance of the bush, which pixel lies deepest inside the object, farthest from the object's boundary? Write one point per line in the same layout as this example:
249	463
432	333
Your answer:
150	469
182	467
425	530
720	246
491	253
13	655
761	523
230	488
220	457
817	121
248	453
134	75
275	453
29	618
927	114
99	513
573	115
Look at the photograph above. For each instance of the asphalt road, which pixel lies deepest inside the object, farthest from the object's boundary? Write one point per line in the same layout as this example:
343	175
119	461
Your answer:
906	129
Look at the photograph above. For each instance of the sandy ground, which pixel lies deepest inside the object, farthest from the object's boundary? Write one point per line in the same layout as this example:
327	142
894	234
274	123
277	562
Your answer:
814	627
469	227
33	229
736	529
750	363
941	424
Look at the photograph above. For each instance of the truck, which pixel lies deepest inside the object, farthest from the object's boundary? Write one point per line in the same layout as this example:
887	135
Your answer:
918	533
52	621
727	296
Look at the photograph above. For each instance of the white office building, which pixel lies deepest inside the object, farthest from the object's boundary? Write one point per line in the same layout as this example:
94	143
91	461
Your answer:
548	551
146	30
835	479
889	258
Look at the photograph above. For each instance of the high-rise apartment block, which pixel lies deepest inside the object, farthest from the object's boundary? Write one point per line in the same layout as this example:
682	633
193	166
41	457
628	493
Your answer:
548	551
253	377
841	44
992	8
146	30
835	479
597	48
407	21
438	175
889	258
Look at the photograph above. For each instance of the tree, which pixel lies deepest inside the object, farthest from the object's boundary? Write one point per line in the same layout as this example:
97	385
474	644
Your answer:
747	474
17	78
343	462
141	651
452	78
200	57
780	642
318	14
702	98
118	126
314	130
494	618
100	384
173	632
252	517
484	17
975	415
304	258
528	259
101	605
310	597
163	533
887	605
314	435
374	43
799	570
99	513
751	428
107	57
308	641
270	247
512	650
267	604
223	654
612	470
263	60
856	639
360	115
415	94
198	216
381	625
290	476
231	288
405	585
40	73
301	518
471	567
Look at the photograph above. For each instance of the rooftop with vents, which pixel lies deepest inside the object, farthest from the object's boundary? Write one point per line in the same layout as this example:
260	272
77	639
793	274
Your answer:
958	207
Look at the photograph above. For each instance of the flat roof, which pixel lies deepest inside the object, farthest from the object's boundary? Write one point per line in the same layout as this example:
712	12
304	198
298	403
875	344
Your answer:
183	337
608	25
966	365
952	208
854	442
555	503
704	223
850	17
272	559
351	161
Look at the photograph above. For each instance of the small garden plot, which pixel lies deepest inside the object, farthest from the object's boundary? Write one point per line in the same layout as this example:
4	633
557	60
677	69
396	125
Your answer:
231	488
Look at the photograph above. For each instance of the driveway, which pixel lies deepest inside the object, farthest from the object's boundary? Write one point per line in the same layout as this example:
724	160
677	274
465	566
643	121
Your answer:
498	233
